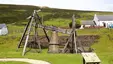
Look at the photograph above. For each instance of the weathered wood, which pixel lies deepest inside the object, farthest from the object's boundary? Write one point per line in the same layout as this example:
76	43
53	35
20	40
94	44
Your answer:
74	34
90	58
41	22
23	35
36	36
53	28
26	41
37	39
45	31
73	37
67	43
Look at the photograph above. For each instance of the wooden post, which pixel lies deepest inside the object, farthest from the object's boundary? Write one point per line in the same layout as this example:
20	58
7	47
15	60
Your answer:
23	35
83	60
74	34
73	47
67	43
36	40
45	30
26	41
54	45
41	22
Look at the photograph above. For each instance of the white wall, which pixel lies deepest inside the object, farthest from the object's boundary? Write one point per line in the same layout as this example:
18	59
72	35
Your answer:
0	31
106	22
4	31
96	20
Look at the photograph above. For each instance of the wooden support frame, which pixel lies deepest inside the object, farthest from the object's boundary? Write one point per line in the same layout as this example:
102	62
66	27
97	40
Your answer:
33	19
73	47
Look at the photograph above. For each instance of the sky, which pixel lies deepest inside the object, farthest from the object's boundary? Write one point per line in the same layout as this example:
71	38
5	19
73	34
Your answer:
94	5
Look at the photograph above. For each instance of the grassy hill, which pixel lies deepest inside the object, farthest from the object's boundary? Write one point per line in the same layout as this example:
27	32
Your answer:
15	17
17	14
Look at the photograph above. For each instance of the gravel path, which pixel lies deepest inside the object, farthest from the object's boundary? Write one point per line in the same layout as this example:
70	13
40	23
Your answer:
31	61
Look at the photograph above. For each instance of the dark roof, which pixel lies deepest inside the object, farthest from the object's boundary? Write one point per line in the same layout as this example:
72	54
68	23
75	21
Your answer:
105	17
87	22
2	25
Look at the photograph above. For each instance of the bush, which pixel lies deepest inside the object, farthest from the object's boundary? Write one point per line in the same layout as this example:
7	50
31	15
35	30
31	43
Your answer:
78	24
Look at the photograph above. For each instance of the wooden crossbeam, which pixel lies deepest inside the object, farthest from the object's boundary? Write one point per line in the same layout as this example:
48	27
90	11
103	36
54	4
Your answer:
53	28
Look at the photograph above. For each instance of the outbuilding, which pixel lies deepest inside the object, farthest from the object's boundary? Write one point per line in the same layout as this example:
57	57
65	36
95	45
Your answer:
87	24
3	29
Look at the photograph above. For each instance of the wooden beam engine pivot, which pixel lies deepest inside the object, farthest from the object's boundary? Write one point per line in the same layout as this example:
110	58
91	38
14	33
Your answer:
54	45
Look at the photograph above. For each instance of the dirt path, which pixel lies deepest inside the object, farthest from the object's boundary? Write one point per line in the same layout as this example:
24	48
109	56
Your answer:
31	61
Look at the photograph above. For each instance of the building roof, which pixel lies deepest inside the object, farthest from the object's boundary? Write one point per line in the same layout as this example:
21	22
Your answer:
87	22
2	25
105	17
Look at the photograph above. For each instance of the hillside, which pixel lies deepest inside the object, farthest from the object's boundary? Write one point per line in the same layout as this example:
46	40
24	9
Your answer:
18	13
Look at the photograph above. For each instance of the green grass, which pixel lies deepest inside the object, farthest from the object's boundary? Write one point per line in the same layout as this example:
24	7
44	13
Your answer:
59	22
103	48
12	62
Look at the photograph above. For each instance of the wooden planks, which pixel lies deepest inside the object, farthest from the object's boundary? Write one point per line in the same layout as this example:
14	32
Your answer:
91	57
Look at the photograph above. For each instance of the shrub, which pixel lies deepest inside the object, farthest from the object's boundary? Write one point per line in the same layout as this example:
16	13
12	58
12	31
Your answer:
78	24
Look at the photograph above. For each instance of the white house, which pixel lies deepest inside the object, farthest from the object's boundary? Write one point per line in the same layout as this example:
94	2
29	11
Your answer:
103	20
3	29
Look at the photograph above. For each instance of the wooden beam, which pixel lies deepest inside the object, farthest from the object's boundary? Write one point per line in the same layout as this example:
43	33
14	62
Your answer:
36	36
74	34
23	35
41	22
26	41
45	31
73	37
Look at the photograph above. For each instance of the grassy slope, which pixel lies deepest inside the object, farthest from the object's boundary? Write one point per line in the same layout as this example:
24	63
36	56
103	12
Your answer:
103	48
13	63
8	43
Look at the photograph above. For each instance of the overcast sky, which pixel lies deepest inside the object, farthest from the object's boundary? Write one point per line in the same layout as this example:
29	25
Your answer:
96	5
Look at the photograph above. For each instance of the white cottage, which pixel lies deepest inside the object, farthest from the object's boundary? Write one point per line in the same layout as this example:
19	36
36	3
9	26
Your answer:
3	29
103	20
